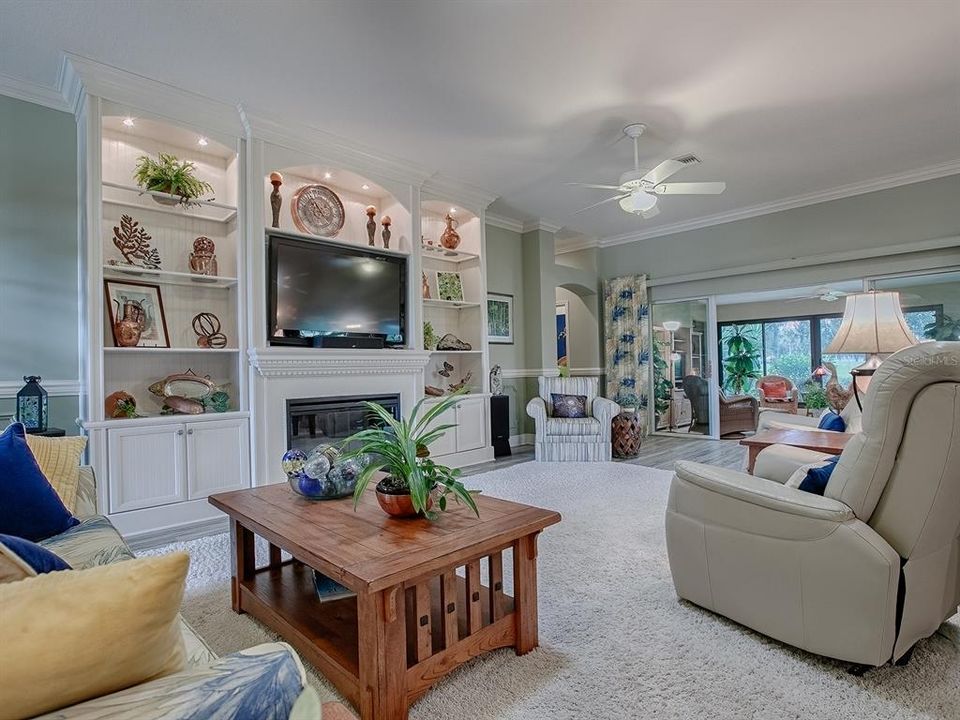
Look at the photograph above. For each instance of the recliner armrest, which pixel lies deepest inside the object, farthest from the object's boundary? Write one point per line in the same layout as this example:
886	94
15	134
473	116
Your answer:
763	493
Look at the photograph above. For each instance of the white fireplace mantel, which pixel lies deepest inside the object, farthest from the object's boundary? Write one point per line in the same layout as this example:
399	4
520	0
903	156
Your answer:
310	362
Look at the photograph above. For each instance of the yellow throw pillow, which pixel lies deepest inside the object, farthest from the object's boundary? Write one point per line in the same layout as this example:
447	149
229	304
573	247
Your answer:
59	460
79	634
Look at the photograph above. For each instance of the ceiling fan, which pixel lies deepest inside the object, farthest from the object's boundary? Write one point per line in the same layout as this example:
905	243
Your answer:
638	191
824	294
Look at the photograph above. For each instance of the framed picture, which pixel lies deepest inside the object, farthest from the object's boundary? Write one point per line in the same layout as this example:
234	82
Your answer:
124	294
500	318
563	312
449	286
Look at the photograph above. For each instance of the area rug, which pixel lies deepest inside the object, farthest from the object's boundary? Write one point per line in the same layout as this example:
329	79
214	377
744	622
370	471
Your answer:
615	643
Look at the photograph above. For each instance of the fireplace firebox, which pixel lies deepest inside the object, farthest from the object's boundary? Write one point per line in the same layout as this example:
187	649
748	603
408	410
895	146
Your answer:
312	421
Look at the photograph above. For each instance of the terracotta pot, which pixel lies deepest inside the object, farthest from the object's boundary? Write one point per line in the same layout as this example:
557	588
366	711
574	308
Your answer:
400	506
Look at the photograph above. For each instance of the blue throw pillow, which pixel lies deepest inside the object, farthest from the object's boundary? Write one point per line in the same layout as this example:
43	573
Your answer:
569	406
39	558
817	478
29	506
832	421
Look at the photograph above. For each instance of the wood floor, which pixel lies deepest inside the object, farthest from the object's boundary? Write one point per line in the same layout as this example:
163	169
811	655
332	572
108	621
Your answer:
657	451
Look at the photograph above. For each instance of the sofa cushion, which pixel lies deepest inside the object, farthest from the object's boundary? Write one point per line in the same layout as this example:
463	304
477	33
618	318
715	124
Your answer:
93	542
21	559
566	427
773	389
59	460
568	406
260	683
118	623
29	506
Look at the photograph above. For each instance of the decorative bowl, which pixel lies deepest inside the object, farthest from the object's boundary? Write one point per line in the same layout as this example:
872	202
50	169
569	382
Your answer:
310	476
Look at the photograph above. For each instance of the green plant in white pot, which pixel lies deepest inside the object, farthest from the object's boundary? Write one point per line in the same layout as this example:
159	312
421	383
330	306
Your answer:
414	483
172	176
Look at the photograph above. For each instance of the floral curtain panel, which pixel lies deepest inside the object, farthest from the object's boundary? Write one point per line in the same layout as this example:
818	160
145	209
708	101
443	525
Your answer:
627	331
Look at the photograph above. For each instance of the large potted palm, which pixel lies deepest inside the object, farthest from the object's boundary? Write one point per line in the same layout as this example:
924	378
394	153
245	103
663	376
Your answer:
741	365
414	483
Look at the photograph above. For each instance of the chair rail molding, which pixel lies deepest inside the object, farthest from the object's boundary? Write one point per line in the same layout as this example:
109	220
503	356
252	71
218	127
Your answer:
54	388
297	362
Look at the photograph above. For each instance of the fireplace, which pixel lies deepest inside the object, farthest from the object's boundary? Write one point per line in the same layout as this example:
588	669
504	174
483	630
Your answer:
312	421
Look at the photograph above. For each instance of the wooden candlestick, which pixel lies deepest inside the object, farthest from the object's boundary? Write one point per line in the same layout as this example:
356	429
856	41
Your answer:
276	179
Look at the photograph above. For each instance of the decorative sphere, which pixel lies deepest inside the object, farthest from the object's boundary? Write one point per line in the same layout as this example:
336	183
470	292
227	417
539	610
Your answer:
293	461
317	466
345	474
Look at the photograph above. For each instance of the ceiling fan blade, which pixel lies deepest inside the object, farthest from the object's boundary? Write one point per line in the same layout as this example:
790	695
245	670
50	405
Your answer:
602	202
597	187
662	171
652	212
692	188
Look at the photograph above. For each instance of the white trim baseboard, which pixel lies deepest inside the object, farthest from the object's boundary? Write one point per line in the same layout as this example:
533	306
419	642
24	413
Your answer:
54	388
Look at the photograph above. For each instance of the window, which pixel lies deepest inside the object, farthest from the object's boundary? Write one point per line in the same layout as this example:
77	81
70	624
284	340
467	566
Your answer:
843	363
787	350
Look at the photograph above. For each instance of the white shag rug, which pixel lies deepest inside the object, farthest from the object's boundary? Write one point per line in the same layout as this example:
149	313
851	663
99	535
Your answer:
615	643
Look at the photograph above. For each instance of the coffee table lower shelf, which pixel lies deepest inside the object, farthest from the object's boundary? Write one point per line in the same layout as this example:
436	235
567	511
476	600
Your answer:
283	598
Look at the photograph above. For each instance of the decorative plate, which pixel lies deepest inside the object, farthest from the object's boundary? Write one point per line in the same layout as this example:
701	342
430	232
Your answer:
317	210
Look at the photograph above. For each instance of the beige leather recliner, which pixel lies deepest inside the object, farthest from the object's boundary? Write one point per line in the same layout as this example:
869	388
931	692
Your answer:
862	573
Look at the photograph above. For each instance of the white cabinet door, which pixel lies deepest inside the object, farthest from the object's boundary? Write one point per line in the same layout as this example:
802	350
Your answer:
146	466
448	443
218	457
471	431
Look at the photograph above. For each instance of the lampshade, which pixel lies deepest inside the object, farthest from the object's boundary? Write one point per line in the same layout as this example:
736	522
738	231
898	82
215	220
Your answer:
873	323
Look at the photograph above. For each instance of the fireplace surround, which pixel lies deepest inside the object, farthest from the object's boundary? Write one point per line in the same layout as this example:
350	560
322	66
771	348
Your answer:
327	420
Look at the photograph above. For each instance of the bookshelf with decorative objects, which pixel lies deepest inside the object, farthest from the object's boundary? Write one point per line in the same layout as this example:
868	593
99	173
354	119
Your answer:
165	412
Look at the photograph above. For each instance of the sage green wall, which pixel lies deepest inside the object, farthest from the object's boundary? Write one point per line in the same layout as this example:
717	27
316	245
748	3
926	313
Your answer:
39	309
910	213
539	290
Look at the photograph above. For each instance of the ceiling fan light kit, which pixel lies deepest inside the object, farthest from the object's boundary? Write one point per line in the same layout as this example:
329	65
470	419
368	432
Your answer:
638	190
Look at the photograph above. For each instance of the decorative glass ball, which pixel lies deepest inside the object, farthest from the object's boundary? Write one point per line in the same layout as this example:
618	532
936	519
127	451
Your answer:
308	474
345	474
293	461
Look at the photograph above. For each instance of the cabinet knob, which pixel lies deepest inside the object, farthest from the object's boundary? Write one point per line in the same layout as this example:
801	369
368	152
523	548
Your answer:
190	431
180	431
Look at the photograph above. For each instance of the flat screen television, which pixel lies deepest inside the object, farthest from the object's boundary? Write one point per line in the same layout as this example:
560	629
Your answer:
320	291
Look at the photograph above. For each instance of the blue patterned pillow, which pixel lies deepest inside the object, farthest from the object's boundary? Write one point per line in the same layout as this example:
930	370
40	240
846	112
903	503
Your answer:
29	506
569	406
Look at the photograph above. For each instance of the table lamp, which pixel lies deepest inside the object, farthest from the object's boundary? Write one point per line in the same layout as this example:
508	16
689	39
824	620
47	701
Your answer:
873	324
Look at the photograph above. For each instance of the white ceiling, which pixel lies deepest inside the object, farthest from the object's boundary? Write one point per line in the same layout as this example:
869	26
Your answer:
778	98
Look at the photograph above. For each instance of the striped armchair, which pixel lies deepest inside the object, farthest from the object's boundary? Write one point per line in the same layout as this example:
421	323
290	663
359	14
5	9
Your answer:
572	439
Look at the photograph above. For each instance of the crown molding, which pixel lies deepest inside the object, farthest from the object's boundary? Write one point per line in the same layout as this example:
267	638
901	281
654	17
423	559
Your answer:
471	197
569	245
503	222
860	188
84	76
305	138
541	224
36	93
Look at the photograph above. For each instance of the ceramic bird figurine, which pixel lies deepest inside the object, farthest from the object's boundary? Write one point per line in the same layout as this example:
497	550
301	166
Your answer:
837	395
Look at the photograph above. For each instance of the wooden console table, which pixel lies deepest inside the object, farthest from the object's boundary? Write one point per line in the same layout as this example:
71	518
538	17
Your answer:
824	441
414	619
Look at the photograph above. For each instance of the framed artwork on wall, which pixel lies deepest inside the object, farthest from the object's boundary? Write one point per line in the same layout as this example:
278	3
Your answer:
562	334
449	286
500	318
136	314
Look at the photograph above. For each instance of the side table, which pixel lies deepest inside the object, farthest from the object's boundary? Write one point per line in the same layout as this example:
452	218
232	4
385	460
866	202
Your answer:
627	433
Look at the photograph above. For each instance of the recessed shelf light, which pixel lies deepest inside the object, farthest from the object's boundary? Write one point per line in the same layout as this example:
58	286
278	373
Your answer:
327	175
128	121
202	141
364	187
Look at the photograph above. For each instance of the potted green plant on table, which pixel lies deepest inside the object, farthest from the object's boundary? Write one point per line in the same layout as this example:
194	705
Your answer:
742	359
414	483
814	396
167	174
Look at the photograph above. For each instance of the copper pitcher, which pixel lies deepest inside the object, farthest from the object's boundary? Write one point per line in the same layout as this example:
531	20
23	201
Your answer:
450	238
130	324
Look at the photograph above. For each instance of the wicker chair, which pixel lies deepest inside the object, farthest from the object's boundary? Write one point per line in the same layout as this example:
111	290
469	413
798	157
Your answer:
738	413
788	404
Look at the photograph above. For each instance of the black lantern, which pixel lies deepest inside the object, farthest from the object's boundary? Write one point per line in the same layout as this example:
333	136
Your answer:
32	405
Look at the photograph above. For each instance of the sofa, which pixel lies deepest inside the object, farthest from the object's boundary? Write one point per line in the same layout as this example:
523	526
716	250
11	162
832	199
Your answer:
738	413
563	439
252	683
860	573
771	419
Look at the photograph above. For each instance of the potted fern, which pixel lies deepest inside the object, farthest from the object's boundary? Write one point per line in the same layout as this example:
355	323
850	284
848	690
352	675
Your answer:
400	448
172	176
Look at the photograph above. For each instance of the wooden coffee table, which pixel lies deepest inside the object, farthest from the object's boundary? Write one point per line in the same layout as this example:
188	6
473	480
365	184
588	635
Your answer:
824	441
414	619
